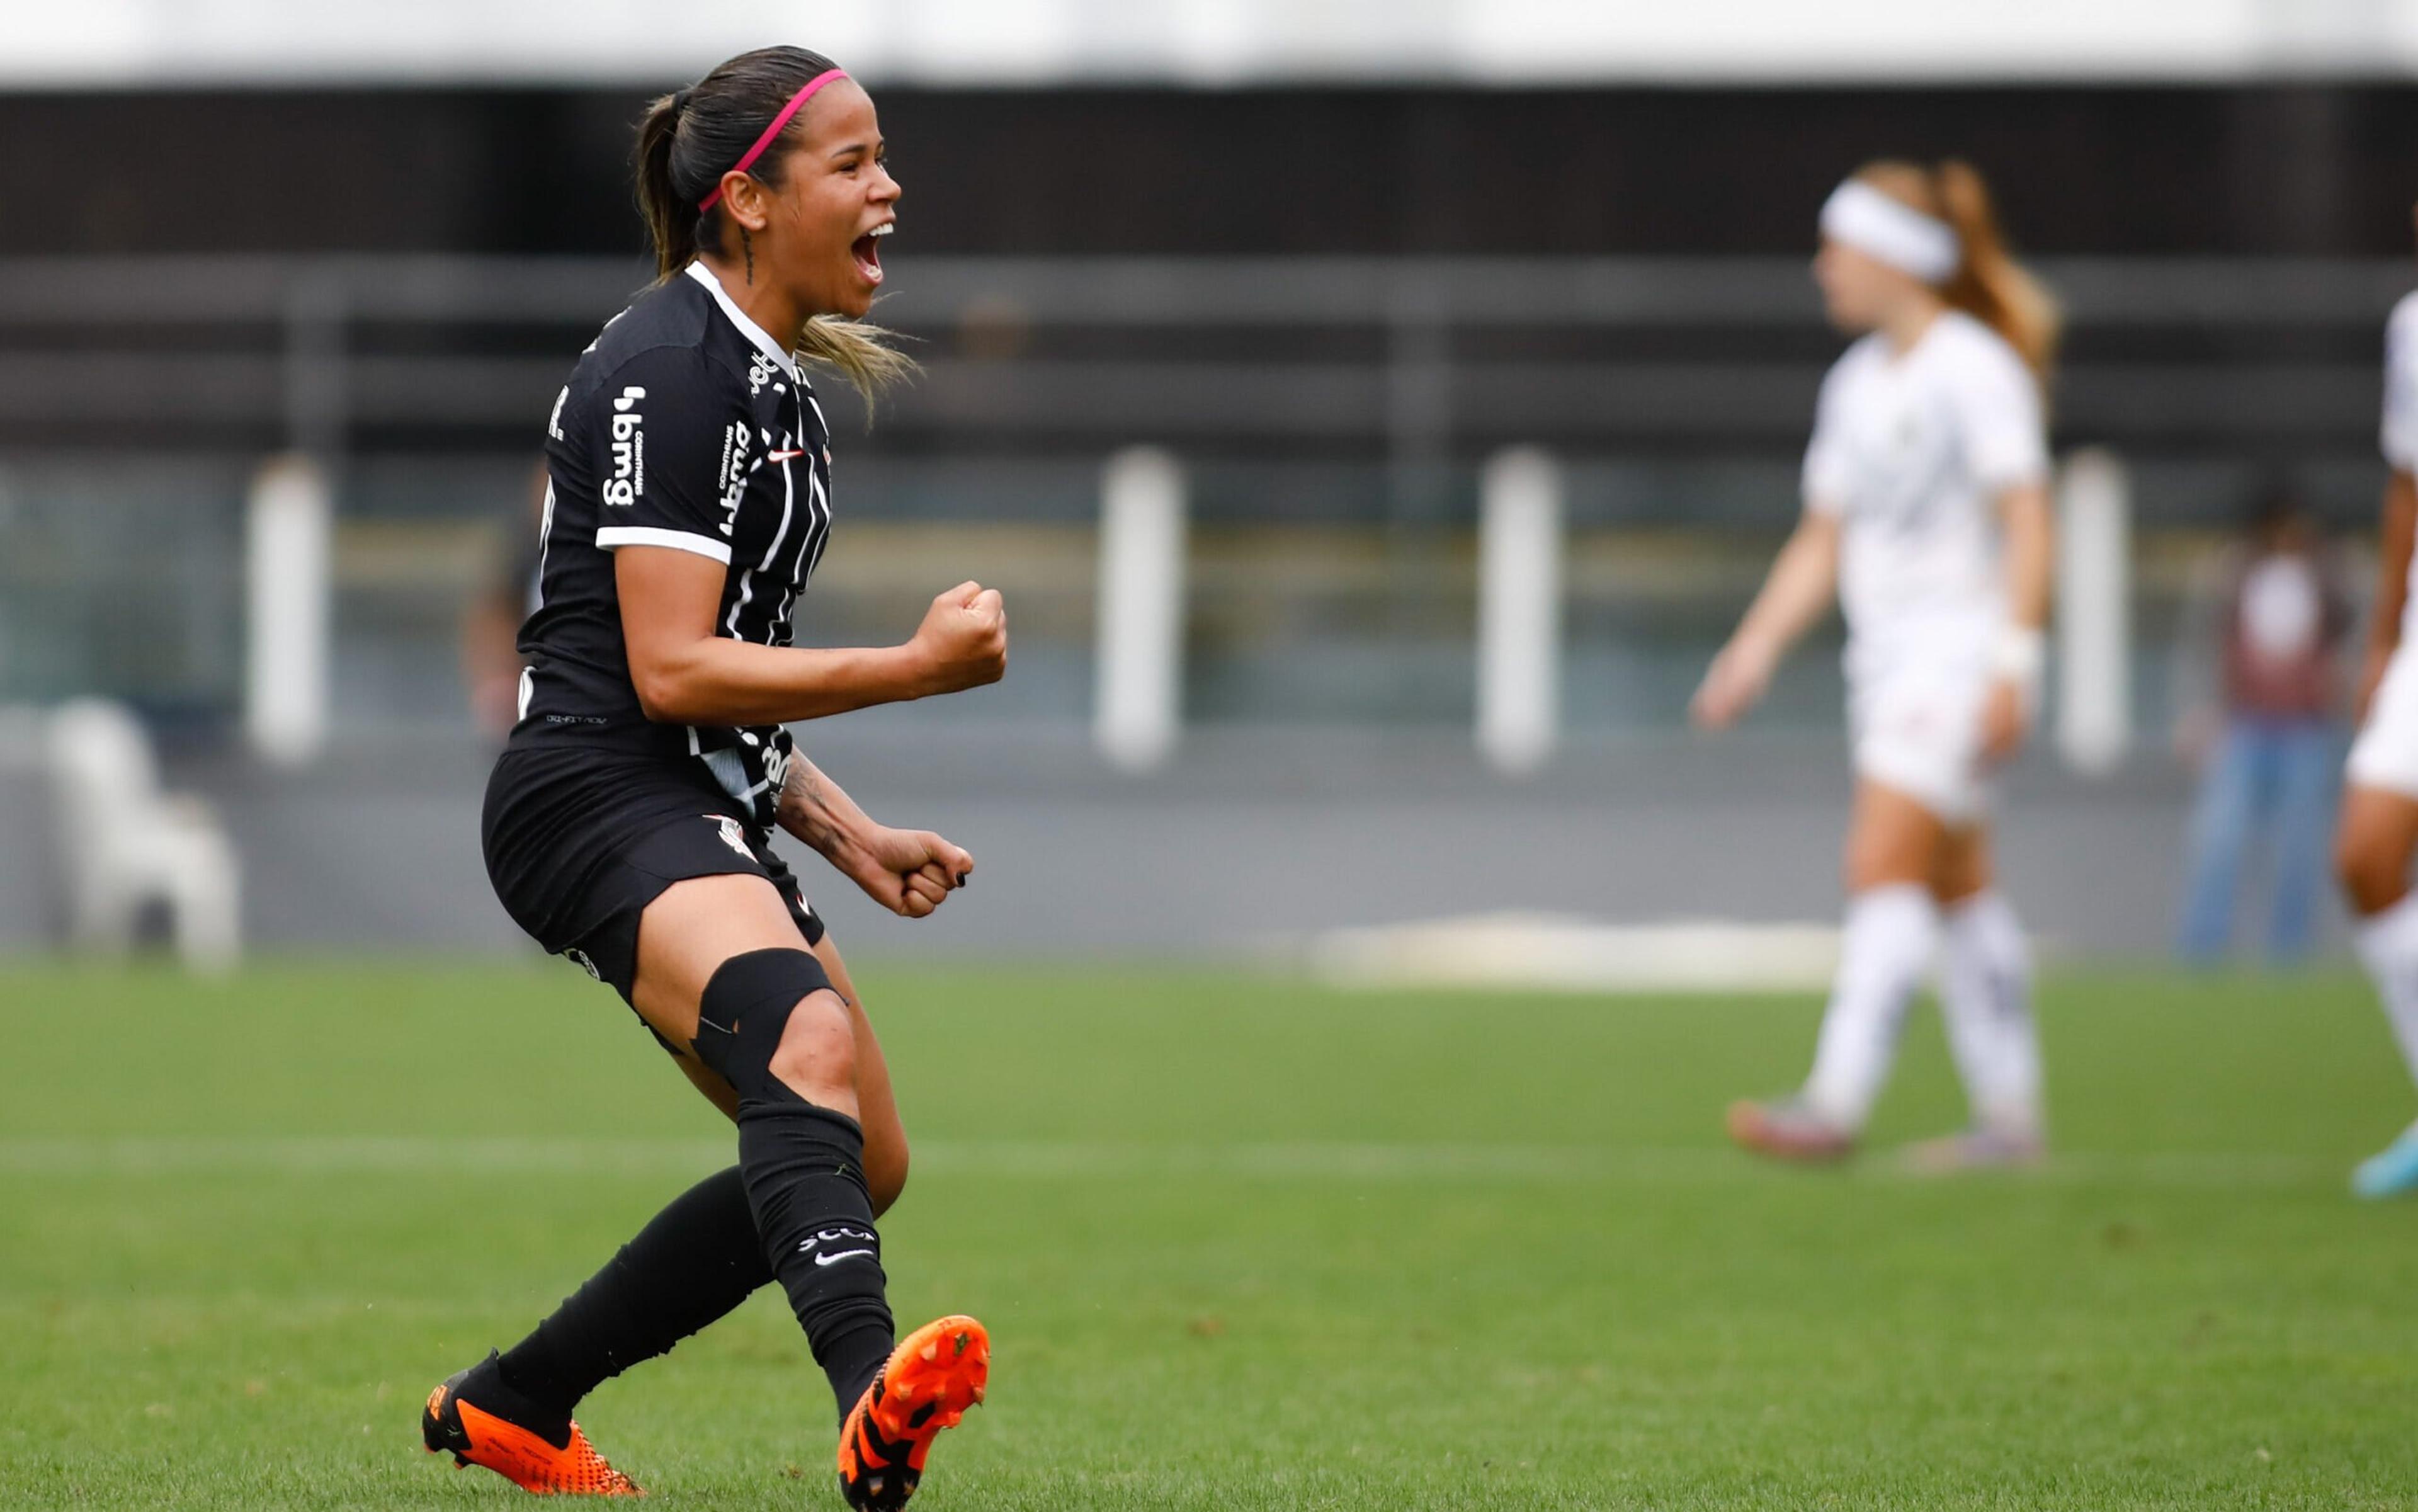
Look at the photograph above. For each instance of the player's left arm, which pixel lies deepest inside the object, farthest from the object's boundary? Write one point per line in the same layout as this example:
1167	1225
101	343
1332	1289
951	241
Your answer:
2027	546
909	872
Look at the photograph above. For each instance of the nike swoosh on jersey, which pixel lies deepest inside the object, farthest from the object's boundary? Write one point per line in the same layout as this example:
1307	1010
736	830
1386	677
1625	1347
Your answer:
844	1253
784	456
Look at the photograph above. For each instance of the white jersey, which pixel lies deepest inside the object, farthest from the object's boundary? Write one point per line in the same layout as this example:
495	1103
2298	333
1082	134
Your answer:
2400	431
1911	453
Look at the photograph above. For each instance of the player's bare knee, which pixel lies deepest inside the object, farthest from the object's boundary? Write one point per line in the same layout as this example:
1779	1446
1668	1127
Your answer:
2374	876
771	1024
1960	880
1868	866
1856	867
885	1173
818	1048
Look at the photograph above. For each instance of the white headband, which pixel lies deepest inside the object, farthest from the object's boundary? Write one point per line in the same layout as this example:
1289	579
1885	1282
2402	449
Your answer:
1897	234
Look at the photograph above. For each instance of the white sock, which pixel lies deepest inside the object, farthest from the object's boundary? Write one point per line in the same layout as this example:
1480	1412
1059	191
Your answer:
1891	935
2388	947
1985	994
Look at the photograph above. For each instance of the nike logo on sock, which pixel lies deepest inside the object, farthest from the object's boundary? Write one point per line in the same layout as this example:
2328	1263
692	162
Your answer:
843	1234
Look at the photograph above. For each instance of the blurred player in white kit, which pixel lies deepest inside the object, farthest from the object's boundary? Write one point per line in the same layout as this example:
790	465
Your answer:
1927	515
2379	829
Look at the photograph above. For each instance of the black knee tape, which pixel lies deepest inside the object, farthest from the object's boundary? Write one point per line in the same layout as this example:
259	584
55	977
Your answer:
745	1007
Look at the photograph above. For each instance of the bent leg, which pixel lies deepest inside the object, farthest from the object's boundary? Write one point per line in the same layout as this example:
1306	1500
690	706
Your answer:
1986	989
720	959
877	1105
692	1265
2374	840
2378	833
702	1256
1892	929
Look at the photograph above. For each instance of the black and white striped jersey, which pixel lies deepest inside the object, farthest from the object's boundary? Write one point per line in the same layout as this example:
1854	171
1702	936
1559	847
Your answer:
685	425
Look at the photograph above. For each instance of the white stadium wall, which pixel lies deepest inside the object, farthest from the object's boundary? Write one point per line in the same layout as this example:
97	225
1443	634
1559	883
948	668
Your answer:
1215	42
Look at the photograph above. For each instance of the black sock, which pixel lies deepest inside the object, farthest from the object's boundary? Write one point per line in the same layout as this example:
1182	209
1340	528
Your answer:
805	1170
694	1262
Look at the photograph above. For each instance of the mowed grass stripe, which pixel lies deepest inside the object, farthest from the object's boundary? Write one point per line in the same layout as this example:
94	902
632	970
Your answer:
1332	1161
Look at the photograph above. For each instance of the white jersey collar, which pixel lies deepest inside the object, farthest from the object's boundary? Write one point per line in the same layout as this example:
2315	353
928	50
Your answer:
754	332
1896	361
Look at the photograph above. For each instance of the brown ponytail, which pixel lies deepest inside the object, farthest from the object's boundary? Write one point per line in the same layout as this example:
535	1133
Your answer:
689	139
671	218
1988	283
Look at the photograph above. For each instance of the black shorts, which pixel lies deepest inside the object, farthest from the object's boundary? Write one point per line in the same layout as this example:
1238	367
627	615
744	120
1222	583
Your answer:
578	843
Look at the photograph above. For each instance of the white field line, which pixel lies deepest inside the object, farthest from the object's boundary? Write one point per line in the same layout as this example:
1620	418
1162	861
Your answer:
1566	953
1313	1161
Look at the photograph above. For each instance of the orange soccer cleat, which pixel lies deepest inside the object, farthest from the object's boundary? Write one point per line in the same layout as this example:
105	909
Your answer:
560	1463
1788	1130
931	1378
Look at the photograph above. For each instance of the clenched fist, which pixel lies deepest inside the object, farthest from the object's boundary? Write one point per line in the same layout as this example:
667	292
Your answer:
909	872
963	639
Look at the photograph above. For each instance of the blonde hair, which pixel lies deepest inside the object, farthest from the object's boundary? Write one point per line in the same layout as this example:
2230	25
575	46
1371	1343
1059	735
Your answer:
688	138
859	350
1988	284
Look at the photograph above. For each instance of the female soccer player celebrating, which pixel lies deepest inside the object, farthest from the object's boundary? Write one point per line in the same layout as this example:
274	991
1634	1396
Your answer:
1926	508
629	820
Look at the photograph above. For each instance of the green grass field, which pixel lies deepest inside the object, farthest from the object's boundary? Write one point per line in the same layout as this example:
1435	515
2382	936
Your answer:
1243	1243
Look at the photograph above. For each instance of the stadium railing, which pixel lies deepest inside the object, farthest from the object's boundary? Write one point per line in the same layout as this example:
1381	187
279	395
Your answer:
1332	416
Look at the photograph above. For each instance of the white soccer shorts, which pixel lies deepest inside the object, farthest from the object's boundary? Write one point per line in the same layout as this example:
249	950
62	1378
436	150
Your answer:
2386	753
1920	734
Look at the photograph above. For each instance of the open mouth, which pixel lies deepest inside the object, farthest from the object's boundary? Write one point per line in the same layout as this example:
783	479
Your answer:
866	250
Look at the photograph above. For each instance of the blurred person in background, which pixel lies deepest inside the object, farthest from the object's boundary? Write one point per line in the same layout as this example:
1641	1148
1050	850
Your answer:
628	822
491	623
1927	517
2379	829
2274	628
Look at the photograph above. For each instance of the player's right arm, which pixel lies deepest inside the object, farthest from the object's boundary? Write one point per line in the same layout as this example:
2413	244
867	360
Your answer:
1796	595
2392	581
686	674
667	439
1802	584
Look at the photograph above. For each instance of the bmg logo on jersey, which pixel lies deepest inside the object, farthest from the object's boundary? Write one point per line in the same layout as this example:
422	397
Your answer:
629	479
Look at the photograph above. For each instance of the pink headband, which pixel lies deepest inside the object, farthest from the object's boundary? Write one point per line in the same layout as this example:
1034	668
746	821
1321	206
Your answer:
797	102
